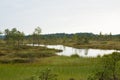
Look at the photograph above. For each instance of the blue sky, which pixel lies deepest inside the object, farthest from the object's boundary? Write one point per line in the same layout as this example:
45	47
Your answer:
58	16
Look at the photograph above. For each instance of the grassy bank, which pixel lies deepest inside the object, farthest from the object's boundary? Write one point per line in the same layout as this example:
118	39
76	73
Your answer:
24	54
97	45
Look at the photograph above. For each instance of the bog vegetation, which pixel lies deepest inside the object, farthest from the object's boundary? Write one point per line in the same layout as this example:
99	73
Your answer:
18	61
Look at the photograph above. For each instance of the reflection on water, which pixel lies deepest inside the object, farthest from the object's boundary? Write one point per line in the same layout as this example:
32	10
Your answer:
86	51
67	51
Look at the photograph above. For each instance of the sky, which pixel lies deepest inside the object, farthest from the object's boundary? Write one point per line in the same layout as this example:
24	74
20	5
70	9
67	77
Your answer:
61	16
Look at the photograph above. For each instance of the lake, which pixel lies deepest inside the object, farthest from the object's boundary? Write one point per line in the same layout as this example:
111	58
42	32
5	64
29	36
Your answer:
68	51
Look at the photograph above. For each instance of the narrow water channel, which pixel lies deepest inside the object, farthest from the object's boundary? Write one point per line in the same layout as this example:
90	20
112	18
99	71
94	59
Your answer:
68	51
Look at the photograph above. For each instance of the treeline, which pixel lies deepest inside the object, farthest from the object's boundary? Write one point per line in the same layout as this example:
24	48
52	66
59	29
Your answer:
92	36
17	37
78	38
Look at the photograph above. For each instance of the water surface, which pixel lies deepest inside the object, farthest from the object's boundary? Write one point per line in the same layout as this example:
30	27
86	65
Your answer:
67	51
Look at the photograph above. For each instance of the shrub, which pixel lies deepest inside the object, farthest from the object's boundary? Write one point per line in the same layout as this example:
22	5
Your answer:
110	68
24	55
44	75
5	61
21	60
2	54
34	55
75	56
98	56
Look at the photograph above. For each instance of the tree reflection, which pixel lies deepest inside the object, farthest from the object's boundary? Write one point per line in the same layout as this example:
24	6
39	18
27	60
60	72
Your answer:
86	51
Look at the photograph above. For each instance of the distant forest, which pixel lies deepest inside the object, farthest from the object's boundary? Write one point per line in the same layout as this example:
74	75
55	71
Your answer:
79	40
73	36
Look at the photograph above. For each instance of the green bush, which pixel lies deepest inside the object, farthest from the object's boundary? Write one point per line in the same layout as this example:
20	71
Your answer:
34	55
44	75
21	60
110	68
5	61
75	56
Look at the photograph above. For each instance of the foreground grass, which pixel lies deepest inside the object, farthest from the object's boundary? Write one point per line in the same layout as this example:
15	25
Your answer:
64	67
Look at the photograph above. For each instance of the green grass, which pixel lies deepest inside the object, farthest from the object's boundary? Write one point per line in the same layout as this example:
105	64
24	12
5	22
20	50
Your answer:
64	67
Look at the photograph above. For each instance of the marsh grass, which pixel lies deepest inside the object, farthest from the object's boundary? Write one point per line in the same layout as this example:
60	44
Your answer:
24	54
40	58
64	67
97	45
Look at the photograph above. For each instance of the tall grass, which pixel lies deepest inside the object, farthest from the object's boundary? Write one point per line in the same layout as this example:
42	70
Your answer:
64	67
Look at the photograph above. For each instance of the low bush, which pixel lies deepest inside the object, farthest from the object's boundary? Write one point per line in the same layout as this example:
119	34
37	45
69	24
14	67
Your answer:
5	61
44	75
21	60
16	60
34	55
2	54
75	56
